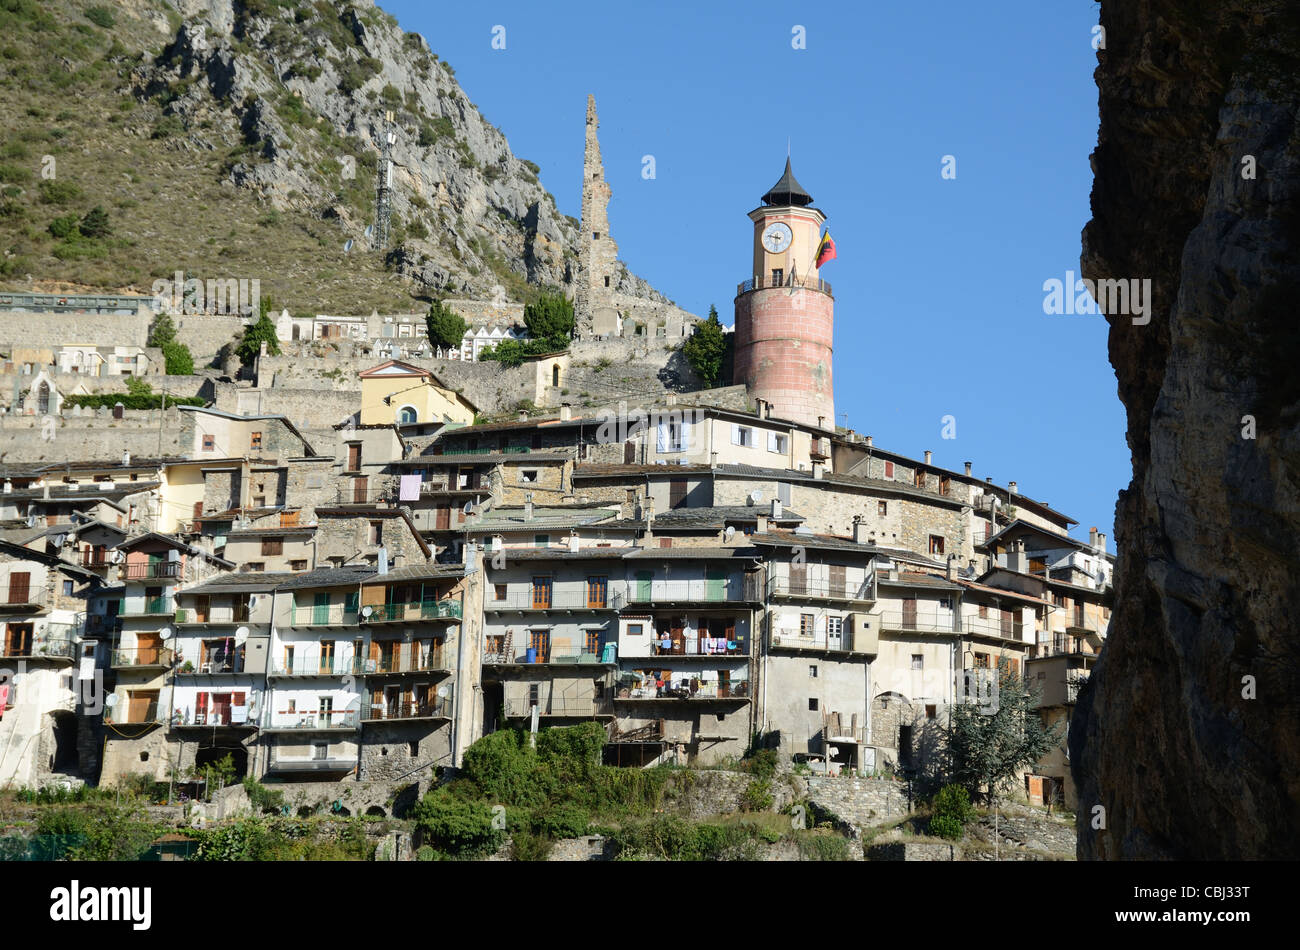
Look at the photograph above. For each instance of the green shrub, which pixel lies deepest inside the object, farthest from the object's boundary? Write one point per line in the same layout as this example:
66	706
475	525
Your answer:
525	846
945	826
55	192
822	847
562	821
953	801
461	828
64	227
426	853
761	763
757	796
101	16
265	800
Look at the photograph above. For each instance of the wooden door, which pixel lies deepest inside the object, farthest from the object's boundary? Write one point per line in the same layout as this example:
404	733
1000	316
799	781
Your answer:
220	709
839	581
643	585
320	608
359	490
137	706
909	613
326	656
20	587
443	520
597	592
677	493
798	579
202	606
715	584
1008	623
629	453
1035	789
541	593
354	458
149	647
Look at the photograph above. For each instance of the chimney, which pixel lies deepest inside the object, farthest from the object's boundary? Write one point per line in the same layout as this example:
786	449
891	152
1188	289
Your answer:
952	566
649	511
126	458
574	543
776	509
928	456
989	479
860	531
1011	487
1101	543
821	422
1016	556
671	399
968	465
523	415
868	441
528	507
817	470
853	436
1092	537
566	412
761	527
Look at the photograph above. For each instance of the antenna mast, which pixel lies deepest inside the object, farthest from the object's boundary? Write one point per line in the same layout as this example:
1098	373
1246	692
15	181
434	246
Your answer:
384	197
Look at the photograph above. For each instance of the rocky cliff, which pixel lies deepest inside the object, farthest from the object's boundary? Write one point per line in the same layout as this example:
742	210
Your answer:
243	137
1189	733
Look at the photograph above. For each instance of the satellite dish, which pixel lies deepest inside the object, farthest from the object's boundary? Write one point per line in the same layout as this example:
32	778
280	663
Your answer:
31	521
60	540
468	508
347	246
110	700
370	230
442	691
165	633
118	556
366	611
755	497
241	633
729	533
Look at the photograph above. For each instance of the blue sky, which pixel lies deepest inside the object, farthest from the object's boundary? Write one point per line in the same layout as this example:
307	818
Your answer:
938	284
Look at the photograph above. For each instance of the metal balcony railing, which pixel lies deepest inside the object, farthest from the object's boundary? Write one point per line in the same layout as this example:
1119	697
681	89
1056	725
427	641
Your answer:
794	587
148	607
922	623
1049	644
101	625
324	615
217	615
150	714
308	720
993	627
318	666
767	283
142	571
43	646
433	662
130	657
524	597
559	706
215	664
829	642
508	450
481	483
19	597
365	496
736	689
699	646
408	709
414	610
697	591
518	655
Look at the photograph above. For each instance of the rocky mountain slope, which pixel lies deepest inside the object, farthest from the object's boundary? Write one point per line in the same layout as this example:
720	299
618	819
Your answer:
1188	737
240	138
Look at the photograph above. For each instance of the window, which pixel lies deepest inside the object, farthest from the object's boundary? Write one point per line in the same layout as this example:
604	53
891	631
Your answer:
272	547
320	751
255	442
592	641
413	747
597	591
882	508
936	544
806	623
67	588
944	484
499	591
981	661
665	542
930	711
542	541
919	478
255	566
209	443
889	469
812	703
777	443
742	435
812	671
408	415
376	535
298	565
918	661
984	610
778	277
528	476
834	626
671	436
536	441
541	593
635	629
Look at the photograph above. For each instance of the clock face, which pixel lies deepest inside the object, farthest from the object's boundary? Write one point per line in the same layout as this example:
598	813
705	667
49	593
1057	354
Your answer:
777	237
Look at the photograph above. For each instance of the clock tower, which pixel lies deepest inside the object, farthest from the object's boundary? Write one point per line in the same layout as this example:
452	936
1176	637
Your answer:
785	312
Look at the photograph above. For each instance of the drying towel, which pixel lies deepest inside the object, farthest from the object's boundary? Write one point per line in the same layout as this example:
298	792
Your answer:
410	488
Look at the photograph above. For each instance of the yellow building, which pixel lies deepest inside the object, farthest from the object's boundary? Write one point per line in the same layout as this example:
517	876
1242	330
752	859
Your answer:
397	392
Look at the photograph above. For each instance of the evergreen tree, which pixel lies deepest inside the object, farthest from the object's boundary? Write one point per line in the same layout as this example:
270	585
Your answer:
255	334
95	223
179	360
446	327
163	331
988	750
706	348
550	320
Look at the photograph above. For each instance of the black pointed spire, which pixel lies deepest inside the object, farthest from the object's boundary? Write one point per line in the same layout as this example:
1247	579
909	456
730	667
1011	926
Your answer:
787	191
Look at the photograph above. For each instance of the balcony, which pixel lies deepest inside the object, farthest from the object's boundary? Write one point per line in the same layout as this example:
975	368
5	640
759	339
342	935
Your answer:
528	599
1057	644
820	449
825	643
548	657
99	625
142	571
24	600
365	496
566	707
213	618
687	593
325	720
993	627
699	647
394	711
413	611
214	665
508	450
396	664
735	691
324	615
788	588
766	283
58	648
326	763
149	715
229	717
318	666
148	607
919	623
444	486
143	658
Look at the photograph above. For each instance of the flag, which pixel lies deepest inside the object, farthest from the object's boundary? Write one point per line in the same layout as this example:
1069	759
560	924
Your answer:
825	250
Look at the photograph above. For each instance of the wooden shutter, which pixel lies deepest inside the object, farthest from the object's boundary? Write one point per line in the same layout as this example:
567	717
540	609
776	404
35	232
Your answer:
20	587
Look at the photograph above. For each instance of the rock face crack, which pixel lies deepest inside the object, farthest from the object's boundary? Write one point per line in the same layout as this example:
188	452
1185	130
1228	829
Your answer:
1186	742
